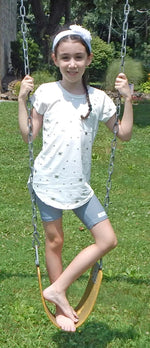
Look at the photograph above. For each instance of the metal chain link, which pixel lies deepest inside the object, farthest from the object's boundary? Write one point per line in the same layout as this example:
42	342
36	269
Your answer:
25	42
124	36
36	242
118	108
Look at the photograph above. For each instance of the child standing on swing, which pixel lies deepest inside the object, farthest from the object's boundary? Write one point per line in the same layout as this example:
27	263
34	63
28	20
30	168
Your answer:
69	112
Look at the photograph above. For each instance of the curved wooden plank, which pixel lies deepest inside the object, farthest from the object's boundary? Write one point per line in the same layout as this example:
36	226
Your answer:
87	301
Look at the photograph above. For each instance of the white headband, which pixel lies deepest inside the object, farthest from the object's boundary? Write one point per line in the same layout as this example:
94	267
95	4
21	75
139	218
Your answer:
74	30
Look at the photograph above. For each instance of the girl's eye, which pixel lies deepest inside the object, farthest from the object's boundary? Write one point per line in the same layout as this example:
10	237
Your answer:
65	58
79	57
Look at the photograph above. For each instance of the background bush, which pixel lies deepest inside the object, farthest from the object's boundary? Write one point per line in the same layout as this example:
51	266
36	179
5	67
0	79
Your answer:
133	70
103	55
145	87
40	76
18	59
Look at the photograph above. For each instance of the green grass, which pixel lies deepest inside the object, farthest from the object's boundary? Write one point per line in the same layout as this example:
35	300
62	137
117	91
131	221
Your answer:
121	317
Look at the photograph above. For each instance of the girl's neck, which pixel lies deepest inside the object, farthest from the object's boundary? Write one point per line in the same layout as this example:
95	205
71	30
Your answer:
73	88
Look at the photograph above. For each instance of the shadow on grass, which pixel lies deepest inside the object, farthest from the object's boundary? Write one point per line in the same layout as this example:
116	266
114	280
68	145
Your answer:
119	278
127	279
142	114
93	335
4	275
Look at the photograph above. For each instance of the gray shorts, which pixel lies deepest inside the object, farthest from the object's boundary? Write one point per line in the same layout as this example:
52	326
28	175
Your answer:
90	213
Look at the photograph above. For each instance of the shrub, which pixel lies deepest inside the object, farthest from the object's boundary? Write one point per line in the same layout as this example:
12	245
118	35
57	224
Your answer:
145	87
143	52
17	55
133	70
42	76
103	54
16	88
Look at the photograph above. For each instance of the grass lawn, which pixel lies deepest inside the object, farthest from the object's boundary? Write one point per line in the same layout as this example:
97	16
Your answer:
121	317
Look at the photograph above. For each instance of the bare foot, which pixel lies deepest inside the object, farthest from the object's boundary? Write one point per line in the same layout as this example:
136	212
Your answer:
59	299
65	323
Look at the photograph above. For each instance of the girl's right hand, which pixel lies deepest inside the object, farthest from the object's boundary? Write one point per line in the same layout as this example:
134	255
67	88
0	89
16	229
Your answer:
27	86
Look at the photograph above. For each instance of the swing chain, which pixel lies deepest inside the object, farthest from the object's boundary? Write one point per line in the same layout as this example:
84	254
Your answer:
25	42
118	108
35	242
124	37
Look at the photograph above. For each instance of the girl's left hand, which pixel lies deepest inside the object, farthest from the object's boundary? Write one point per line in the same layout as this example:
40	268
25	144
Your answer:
122	85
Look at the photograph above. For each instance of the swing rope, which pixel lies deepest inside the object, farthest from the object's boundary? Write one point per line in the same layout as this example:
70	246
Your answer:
87	302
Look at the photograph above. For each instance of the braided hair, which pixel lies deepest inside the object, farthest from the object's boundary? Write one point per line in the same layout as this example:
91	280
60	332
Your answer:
84	81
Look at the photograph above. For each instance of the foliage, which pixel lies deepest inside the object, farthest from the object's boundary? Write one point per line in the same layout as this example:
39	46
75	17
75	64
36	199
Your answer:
17	55
45	17
121	315
133	70
103	54
143	52
145	87
16	88
42	76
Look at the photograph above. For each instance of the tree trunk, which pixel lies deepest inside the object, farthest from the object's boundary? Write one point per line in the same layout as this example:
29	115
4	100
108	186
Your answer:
110	25
48	26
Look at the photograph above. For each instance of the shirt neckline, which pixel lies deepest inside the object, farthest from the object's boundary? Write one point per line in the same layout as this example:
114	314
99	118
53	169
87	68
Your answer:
71	95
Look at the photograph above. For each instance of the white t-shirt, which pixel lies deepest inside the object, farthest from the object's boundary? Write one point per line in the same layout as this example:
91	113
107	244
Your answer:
62	169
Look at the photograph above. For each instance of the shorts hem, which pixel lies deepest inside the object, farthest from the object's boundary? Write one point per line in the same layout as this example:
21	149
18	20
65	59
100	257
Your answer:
97	222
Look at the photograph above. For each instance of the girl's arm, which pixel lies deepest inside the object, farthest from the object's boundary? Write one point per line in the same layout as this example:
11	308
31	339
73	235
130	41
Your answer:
27	86
126	124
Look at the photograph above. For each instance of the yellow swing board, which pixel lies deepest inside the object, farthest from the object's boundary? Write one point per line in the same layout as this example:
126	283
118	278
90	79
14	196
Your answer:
87	302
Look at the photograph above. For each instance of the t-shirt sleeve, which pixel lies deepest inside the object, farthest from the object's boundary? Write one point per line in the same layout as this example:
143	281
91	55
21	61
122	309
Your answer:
37	100
108	109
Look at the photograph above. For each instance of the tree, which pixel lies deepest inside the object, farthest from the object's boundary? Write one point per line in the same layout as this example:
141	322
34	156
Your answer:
103	18
48	15
48	23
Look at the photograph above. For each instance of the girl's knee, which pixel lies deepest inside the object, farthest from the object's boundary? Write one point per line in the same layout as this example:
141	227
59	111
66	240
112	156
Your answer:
109	243
55	243
104	234
54	236
114	241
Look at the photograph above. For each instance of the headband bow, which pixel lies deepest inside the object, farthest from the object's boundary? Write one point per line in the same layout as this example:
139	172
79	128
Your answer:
74	30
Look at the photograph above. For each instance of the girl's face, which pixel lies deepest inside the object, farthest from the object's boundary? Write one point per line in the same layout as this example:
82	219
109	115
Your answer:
72	59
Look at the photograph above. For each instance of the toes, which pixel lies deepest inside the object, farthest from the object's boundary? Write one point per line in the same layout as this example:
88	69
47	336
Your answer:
65	323
76	318
68	328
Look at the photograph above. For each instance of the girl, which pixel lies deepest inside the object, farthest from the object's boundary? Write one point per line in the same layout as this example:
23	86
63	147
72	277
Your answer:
69	112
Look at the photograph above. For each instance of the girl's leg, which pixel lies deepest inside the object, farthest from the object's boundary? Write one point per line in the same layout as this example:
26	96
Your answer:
105	240
53	248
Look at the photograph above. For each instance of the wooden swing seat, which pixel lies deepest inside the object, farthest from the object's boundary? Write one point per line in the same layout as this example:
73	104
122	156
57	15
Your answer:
87	302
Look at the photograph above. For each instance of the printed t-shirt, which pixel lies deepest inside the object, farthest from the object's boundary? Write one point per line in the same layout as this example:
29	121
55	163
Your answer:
61	176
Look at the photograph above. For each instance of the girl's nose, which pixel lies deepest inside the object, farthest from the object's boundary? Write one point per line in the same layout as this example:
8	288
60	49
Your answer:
72	63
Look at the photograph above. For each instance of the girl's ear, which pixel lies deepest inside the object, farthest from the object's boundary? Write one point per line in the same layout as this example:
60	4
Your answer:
54	59
90	57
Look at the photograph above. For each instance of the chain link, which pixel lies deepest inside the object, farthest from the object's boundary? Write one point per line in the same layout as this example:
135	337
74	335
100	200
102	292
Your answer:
124	36
118	108
25	42
36	242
